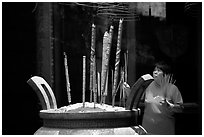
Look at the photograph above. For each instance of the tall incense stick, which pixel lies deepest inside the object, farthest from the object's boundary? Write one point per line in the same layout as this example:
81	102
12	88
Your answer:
67	78
94	81
117	61
122	95
107	69
93	38
107	40
104	62
84	79
99	84
125	71
106	87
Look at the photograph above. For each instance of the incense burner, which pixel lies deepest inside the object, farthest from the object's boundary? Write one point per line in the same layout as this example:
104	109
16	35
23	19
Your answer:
88	118
76	119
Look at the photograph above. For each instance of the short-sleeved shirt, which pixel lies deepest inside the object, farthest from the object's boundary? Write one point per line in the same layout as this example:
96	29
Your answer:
158	119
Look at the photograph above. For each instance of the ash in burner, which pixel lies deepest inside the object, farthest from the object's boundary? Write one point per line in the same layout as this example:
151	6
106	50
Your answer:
89	107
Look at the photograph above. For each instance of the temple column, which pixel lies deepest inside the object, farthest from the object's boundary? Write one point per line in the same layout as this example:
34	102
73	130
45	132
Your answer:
131	46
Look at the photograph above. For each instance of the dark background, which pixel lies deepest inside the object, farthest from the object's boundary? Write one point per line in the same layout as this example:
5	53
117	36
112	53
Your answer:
20	106
19	103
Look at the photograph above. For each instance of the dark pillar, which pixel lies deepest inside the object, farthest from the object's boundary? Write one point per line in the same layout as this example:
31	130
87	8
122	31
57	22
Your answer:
44	42
58	41
49	49
131	44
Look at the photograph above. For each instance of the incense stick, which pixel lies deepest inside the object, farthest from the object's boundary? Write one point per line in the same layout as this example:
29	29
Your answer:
93	38
84	80
67	78
117	61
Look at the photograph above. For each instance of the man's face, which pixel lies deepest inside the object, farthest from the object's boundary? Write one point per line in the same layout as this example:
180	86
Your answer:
157	74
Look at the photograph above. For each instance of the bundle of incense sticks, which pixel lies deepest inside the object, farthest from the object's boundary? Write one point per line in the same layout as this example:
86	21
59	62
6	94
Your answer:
67	78
107	39
84	80
117	61
93	38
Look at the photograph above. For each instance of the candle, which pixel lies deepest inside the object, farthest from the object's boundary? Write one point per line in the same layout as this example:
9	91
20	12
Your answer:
117	61
84	79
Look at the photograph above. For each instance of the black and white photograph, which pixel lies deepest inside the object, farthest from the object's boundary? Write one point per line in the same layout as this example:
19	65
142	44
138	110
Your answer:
101	68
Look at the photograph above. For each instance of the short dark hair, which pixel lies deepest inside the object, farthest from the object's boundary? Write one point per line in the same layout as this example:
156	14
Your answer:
166	68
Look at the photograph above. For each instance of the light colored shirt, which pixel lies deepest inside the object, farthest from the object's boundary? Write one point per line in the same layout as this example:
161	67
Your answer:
158	118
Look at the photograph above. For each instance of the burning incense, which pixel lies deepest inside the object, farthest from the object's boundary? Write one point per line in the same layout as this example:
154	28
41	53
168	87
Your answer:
94	81
126	64
117	61
99	84
108	57
106	87
67	78
122	94
105	62
84	79
93	38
